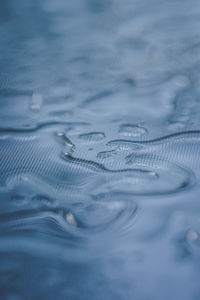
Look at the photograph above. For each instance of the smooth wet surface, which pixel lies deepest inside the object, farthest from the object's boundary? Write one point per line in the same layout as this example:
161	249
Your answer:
99	150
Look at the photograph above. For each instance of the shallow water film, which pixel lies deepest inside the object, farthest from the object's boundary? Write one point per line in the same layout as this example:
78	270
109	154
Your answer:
99	150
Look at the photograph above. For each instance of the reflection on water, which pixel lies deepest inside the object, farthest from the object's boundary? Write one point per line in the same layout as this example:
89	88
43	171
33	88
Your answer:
99	149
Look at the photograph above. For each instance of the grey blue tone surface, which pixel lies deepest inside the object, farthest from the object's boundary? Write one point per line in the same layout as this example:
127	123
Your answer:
99	150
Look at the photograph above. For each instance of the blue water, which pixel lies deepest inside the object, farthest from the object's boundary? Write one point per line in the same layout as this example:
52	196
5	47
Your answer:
99	150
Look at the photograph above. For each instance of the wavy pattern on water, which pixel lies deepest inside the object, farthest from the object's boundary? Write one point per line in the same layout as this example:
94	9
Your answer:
173	177
41	125
67	227
101	168
115	216
150	174
34	231
170	177
20	163
175	137
99	149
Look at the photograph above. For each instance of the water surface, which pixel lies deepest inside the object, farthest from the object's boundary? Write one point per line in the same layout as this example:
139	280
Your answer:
99	150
